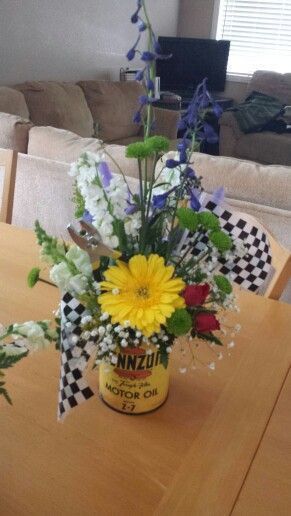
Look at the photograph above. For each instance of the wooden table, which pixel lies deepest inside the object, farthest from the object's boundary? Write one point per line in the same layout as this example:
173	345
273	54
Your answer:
220	445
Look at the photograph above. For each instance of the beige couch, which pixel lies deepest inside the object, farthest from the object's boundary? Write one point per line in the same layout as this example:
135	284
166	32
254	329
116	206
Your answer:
60	120
265	147
99	109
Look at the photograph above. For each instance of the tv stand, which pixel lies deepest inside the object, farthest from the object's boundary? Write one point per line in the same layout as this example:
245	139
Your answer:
172	100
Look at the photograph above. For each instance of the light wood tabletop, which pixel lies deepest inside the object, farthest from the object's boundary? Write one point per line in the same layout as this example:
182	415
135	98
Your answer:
219	445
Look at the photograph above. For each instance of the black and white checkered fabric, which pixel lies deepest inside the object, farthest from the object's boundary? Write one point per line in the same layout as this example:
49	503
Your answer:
75	354
250	271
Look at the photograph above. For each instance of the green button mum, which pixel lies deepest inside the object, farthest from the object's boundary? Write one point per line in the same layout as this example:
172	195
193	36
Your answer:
221	241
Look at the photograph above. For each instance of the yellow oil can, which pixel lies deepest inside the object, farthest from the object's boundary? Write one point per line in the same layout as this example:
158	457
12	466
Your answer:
137	384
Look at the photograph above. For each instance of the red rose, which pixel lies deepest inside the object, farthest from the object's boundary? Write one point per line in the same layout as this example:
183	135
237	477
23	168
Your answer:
206	322
196	294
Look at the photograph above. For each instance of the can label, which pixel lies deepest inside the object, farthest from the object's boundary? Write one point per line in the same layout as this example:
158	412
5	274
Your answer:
138	383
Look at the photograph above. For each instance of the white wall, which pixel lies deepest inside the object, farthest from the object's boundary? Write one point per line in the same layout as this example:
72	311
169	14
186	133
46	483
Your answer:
72	39
195	18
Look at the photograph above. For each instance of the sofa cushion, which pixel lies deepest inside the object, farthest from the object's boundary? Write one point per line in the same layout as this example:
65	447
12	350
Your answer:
61	105
13	102
265	147
44	191
14	132
65	146
128	140
272	83
59	144
269	185
113	105
118	162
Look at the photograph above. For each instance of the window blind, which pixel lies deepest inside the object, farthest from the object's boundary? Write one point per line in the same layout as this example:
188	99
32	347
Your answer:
260	34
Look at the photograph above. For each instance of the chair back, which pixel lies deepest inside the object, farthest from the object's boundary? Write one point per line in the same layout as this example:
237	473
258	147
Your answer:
281	261
8	163
281	265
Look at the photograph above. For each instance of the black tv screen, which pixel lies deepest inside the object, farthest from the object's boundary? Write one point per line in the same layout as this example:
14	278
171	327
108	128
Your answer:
192	60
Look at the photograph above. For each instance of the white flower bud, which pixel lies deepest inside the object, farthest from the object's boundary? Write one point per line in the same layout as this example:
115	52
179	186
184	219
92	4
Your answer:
101	331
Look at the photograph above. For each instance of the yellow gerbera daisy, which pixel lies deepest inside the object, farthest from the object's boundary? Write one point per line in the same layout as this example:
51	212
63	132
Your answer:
142	291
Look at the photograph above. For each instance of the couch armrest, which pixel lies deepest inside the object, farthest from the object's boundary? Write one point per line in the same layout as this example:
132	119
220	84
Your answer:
229	134
166	122
227	118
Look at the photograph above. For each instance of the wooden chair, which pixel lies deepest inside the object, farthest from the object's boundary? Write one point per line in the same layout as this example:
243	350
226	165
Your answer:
8	161
281	263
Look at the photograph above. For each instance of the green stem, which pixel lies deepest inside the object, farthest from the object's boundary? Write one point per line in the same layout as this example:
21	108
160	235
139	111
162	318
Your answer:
152	182
152	72
119	168
142	206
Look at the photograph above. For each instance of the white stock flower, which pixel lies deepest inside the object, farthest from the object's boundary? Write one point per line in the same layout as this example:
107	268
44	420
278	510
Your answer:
132	224
78	284
32	331
12	349
87	174
74	169
61	275
103	204
80	259
111	241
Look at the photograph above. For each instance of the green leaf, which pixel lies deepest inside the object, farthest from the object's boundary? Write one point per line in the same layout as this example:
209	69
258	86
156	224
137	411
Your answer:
79	202
223	284
119	231
188	219
209	337
221	241
33	277
208	220
174	238
199	276
4	393
165	359
7	361
180	322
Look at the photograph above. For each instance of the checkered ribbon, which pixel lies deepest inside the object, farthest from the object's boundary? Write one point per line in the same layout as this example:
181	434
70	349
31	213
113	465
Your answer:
251	271
75	354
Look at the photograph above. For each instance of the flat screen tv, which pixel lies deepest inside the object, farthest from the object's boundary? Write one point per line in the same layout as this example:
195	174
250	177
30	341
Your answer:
192	59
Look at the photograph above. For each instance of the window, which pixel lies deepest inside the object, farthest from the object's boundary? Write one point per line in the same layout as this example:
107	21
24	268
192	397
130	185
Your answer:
260	35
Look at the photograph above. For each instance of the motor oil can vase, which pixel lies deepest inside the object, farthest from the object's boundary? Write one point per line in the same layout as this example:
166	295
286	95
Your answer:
137	384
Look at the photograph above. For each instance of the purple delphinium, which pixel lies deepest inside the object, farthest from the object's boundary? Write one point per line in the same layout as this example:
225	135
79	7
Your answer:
87	217
218	195
160	200
105	173
148	57
195	122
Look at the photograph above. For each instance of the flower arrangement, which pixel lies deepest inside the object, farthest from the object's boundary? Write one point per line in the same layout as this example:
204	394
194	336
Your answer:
160	277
